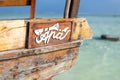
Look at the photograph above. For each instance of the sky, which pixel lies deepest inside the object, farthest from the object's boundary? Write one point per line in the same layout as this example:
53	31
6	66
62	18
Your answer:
57	6
86	6
100	6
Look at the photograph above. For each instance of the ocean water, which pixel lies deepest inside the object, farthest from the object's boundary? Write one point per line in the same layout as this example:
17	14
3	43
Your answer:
98	59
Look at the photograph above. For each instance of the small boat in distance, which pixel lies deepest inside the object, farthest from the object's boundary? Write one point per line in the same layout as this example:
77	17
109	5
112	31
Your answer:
110	37
39	49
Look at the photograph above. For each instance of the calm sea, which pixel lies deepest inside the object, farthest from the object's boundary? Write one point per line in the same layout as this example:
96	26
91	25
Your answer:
98	59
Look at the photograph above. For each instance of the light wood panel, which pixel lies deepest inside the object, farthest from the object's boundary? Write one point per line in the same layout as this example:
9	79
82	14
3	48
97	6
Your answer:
12	34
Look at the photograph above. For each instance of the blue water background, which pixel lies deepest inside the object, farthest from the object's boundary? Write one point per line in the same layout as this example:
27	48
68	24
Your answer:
98	59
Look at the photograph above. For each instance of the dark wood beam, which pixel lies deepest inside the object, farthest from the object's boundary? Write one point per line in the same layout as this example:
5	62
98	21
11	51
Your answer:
15	2
74	8
67	9
33	7
31	3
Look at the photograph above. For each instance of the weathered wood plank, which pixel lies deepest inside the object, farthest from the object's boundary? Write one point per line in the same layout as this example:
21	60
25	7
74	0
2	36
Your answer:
30	64
74	8
31	3
12	34
67	9
43	34
32	10
81	30
38	66
8	55
50	78
78	32
71	8
15	2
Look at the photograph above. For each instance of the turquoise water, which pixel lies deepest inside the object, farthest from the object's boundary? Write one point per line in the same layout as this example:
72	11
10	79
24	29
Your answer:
98	59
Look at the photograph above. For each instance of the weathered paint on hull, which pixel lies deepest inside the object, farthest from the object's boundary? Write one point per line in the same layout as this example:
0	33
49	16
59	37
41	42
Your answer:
19	62
39	67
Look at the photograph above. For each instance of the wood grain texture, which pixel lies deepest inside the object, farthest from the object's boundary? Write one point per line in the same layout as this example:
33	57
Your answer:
32	10
74	8
38	67
12	34
67	8
14	54
15	2
81	30
80	27
31	3
48	35
38	63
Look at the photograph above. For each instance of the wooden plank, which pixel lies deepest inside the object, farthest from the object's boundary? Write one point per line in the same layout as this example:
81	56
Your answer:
30	64
81	30
42	34
15	2
32	10
12	34
31	3
49	78
74	7
67	9
8	55
38	66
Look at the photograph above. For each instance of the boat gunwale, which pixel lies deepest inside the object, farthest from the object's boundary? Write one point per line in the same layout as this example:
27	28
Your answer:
13	54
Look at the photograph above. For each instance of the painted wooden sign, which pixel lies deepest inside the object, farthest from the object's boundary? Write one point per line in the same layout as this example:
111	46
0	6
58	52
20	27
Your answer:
41	34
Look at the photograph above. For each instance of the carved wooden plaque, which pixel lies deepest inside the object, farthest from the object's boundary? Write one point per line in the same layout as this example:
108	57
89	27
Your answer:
42	34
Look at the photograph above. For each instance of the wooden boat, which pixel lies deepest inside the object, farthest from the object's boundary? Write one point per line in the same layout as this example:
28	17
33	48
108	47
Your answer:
38	49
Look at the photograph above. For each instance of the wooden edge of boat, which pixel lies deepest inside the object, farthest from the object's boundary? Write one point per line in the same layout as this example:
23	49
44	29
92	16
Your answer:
39	66
18	62
13	33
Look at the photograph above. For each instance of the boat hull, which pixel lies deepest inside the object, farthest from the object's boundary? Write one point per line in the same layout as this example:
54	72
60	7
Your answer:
39	66
21	58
